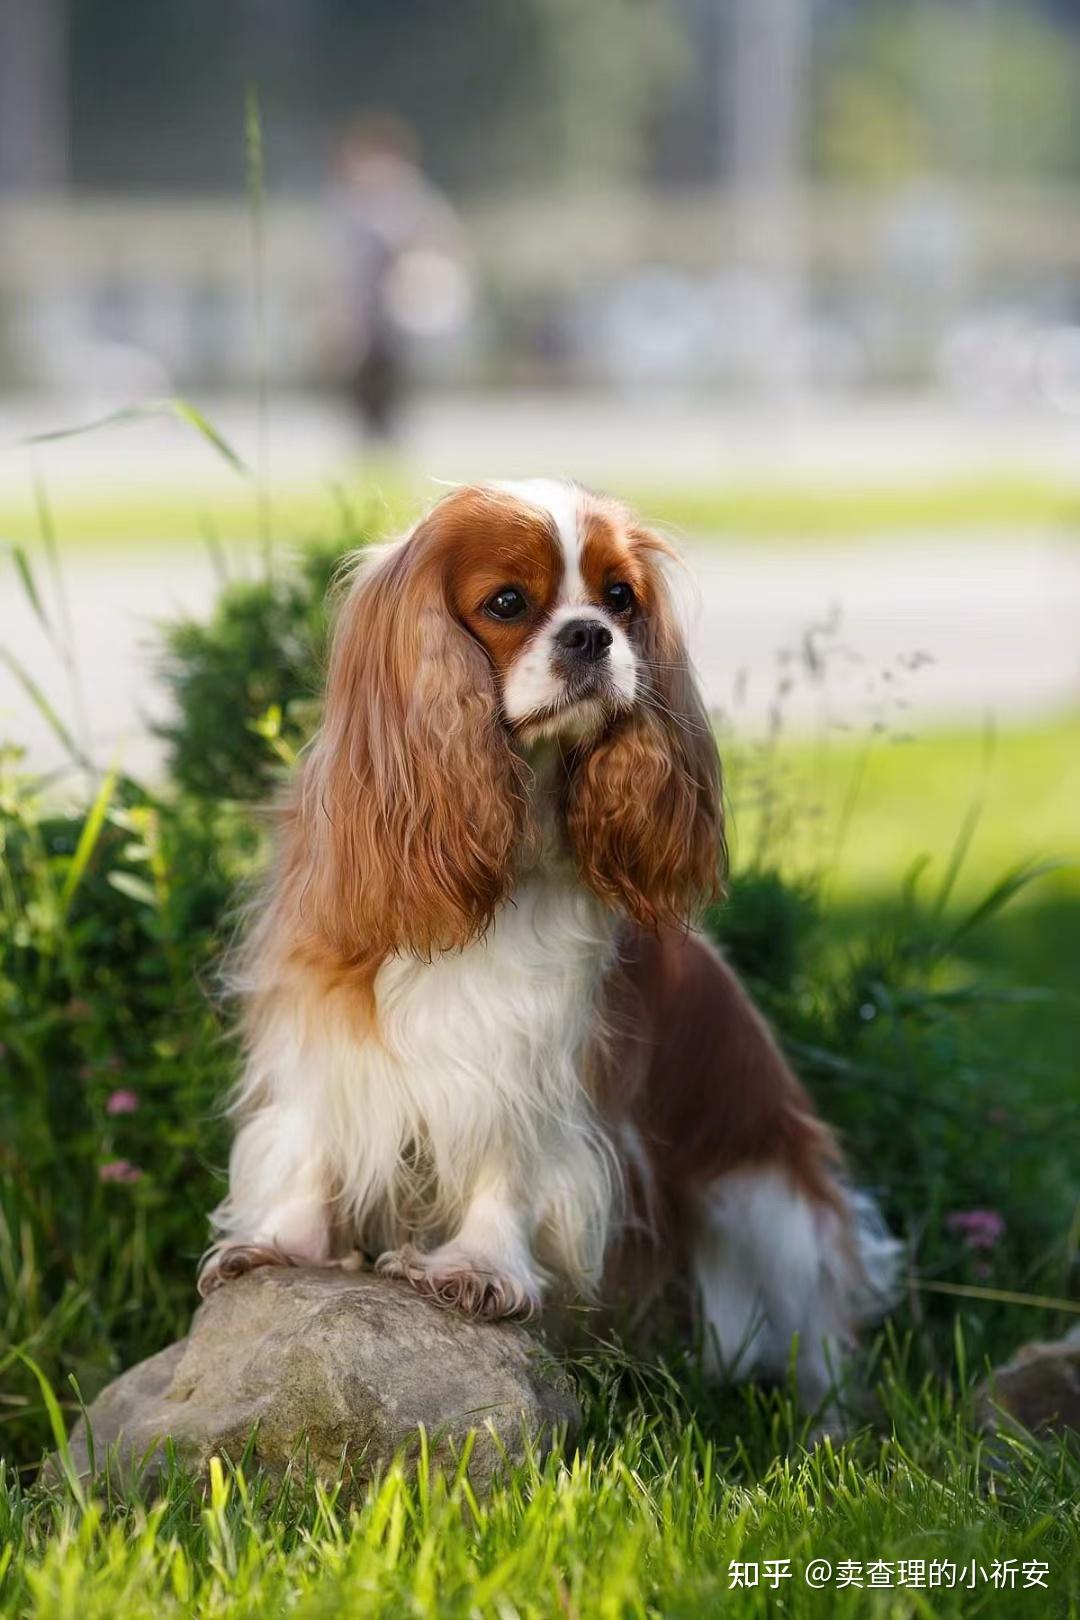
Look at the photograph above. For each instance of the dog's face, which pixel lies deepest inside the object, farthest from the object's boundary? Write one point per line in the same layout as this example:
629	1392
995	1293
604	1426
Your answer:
512	613
557	588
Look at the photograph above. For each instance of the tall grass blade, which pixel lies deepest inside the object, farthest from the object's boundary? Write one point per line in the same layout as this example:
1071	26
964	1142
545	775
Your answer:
88	837
46	525
962	842
185	411
64	643
1003	891
134	887
959	852
256	187
173	405
58	1428
44	707
212	540
1000	1296
29	585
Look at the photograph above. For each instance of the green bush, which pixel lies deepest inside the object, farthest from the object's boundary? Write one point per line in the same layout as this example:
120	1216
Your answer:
114	1063
256	663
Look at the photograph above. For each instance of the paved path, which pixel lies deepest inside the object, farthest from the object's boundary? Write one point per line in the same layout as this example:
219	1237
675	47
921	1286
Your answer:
653	439
908	634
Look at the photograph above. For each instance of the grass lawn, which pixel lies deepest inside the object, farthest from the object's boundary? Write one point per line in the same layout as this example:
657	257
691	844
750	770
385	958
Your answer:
934	1018
655	1514
859	815
391	493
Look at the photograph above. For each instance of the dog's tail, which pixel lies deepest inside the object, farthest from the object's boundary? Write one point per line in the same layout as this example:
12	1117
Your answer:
873	1282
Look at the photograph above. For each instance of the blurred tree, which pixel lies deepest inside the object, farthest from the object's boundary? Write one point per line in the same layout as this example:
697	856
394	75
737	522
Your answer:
983	88
540	89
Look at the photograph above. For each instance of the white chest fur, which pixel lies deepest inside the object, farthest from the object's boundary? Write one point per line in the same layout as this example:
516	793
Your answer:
471	1075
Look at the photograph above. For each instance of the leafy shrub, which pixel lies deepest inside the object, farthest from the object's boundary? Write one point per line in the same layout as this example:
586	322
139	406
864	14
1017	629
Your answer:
259	655
764	924
114	1064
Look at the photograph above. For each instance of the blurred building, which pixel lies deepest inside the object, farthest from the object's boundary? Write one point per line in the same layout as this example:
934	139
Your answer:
767	193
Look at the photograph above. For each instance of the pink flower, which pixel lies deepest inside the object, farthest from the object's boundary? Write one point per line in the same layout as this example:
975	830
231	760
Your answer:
977	1228
122	1102
119	1170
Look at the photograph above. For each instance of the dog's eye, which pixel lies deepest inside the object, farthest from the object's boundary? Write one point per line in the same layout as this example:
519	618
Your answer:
619	597
509	603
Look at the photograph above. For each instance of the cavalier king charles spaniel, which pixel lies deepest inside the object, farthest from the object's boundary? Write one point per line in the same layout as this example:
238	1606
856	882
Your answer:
484	1044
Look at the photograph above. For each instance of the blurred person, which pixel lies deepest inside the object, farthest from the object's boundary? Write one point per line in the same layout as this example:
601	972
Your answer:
401	274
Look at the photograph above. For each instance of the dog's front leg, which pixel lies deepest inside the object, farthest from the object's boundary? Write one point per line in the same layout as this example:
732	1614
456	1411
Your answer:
277	1209
486	1269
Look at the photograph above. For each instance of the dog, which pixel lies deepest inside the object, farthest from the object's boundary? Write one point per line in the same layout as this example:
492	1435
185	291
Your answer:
484	1044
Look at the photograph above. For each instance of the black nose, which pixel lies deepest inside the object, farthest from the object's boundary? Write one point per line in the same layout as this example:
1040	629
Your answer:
588	639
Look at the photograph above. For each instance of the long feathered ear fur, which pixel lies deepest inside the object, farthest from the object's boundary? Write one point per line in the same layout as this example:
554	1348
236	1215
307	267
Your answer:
643	807
410	809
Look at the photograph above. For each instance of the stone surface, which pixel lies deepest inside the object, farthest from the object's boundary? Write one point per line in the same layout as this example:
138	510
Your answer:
330	1366
1037	1391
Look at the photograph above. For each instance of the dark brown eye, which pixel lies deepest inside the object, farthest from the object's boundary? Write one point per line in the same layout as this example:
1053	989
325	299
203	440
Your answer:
507	603
619	597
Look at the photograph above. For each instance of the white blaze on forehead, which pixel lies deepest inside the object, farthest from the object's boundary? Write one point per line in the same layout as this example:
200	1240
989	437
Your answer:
533	687
563	504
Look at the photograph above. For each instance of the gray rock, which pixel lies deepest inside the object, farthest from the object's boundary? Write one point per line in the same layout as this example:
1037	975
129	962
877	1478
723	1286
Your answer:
329	1366
1038	1391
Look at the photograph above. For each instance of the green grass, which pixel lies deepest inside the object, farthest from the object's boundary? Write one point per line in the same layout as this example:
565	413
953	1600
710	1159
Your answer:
649	1517
226	507
831	512
858	813
928	999
225	513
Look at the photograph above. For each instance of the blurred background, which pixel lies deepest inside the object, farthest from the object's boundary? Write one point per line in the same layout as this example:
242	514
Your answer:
700	195
801	277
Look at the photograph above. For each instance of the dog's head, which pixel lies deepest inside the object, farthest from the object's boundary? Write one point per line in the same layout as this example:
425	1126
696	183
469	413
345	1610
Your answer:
513	615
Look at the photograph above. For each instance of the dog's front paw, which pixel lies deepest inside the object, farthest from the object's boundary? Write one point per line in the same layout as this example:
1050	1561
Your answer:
462	1282
236	1260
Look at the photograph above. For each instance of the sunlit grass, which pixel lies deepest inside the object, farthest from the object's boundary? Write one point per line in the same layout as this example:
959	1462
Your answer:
858	511
392	491
140	522
655	1519
858	813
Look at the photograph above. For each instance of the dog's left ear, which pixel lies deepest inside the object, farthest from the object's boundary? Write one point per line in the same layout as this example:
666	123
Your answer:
644	804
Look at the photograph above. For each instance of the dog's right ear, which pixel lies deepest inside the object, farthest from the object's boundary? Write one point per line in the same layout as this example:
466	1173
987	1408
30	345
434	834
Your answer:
410	810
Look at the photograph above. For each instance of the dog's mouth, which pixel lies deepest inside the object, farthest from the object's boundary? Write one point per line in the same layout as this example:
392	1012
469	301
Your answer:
587	705
586	684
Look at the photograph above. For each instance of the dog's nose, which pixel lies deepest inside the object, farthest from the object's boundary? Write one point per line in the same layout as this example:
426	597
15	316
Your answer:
587	639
